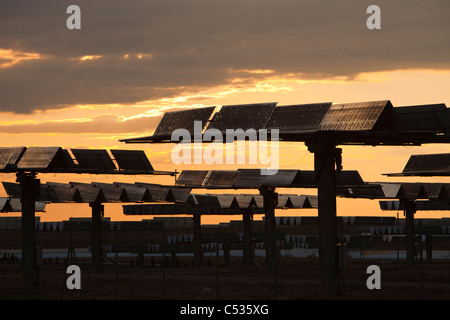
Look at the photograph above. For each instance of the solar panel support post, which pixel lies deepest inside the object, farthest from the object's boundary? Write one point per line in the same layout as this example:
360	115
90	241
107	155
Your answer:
247	218
409	211
197	240
96	233
270	201
326	157
30	189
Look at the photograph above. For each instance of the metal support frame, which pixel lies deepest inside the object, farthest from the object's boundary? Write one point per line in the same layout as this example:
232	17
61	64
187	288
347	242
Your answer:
270	198
247	218
30	189
326	158
96	233
197	240
409	211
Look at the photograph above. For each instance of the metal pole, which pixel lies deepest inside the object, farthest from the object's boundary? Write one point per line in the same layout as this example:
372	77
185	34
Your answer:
247	238
29	185
409	207
270	198
197	240
325	156
96	234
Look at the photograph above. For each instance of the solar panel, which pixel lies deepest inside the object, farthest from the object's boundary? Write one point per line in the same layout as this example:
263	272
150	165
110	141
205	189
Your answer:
205	200
431	118
135	192
183	119
112	193
12	189
283	178
157	192
65	192
360	116
45	158
428	163
298	118
192	178
250	178
10	156
132	160
89	193
243	116
93	159
178	194
221	178
5	206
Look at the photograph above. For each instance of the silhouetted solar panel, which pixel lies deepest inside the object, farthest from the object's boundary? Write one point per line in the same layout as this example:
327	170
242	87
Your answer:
93	159
205	200
132	160
431	118
243	116
360	116
298	118
251	178
157	192
5	206
89	193
183	119
221	178
12	189
10	156
112	193
65	192
178	194
135	192
192	178
424	205
361	192
428	163
283	178
16	205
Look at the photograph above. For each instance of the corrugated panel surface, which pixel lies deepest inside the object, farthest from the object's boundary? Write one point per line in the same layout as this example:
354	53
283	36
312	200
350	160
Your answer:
192	177
132	160
157	192
88	192
65	192
135	193
183	119
10	156
428	163
179	194
112	193
360	116
298	118
94	159
221	178
244	116
38	157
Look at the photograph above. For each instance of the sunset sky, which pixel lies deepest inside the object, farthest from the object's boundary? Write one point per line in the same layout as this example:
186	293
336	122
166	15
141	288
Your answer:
133	60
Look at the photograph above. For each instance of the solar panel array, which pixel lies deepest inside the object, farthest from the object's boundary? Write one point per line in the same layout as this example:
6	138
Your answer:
369	123
58	160
116	192
221	204
253	178
14	205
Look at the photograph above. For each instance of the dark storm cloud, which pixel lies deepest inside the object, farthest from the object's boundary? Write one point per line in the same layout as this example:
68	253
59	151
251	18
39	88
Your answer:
195	43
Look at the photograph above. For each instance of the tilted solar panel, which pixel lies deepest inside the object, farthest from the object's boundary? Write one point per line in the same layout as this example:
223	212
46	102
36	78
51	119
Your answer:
192	177
358	116
9	156
243	116
428	163
183	119
221	178
298	118
132	160
45	158
93	159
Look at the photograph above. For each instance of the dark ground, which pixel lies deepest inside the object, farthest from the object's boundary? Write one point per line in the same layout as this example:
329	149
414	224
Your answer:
296	278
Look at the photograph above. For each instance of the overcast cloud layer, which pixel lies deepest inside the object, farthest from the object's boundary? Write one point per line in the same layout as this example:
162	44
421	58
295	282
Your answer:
174	45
